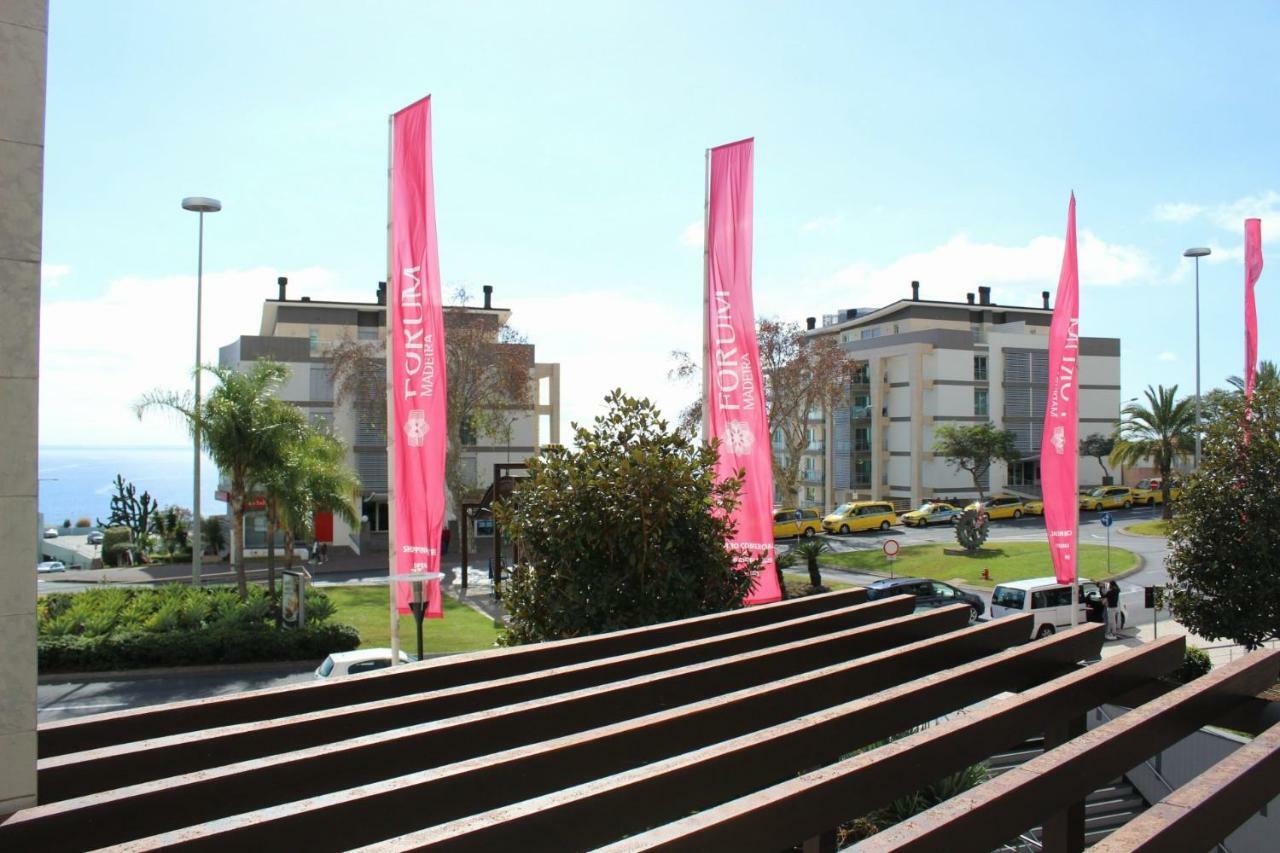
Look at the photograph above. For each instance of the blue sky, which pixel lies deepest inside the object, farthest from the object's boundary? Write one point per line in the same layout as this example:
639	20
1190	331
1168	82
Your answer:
894	141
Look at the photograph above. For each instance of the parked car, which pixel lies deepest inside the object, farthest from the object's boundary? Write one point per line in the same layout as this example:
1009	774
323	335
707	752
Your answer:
51	566
51	533
860	515
932	512
1108	497
1049	601
1033	507
354	663
929	594
1001	506
1149	491
789	523
95	538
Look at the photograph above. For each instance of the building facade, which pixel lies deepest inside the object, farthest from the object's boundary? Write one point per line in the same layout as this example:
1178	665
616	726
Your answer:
921	364
301	333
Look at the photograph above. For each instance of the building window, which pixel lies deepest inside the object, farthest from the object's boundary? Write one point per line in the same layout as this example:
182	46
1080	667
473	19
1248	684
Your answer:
375	514
896	328
980	407
861	439
313	335
873	332
467	432
321	419
980	368
321	383
367	333
979	333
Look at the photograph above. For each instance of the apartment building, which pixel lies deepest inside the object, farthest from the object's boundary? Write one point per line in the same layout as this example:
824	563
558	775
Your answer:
302	332
923	363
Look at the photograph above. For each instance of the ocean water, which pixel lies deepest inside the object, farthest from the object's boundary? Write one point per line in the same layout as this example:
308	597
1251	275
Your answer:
78	482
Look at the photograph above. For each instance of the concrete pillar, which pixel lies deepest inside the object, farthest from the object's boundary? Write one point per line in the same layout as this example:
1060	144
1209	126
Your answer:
879	427
23	37
915	368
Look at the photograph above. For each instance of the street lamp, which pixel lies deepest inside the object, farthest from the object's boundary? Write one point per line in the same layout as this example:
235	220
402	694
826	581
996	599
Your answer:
200	205
1197	254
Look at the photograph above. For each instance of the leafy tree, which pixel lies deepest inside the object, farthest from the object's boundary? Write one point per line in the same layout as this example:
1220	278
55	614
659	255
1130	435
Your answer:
810	550
1098	446
66	524
131	511
115	541
1266	377
1225	537
1163	431
241	428
974	448
83	522
171	525
627	530
489	368
801	374
213	535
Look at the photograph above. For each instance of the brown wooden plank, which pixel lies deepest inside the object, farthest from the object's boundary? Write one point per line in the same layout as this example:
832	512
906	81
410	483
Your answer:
1022	797
65	736
77	774
350	818
227	790
1203	812
773	818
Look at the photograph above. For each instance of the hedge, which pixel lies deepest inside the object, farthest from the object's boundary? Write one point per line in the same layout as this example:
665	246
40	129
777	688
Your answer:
219	645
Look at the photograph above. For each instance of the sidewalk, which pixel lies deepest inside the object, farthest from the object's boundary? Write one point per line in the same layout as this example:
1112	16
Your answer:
1220	651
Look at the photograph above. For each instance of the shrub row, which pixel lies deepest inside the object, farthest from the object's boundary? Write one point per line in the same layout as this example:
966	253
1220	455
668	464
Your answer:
218	645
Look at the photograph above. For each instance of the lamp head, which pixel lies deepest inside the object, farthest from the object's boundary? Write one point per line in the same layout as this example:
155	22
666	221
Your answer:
200	204
1195	253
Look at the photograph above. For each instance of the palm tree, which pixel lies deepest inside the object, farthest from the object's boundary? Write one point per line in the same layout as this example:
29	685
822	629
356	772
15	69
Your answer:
1162	431
241	429
810	550
1266	377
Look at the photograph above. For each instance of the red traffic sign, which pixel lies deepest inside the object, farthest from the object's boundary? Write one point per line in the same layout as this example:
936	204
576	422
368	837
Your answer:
890	547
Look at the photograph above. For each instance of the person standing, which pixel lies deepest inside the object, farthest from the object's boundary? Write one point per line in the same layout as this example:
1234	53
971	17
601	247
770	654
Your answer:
1113	609
445	535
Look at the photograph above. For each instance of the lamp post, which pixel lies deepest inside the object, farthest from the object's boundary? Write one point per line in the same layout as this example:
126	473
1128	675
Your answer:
200	205
1197	254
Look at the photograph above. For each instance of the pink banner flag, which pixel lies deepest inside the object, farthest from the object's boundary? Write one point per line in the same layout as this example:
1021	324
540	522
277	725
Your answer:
1059	459
1252	270
417	371
734	402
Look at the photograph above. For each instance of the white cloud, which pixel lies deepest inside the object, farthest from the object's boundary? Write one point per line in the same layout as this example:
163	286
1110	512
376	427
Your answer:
821	224
51	275
99	354
1167	356
693	233
1229	216
1177	211
1016	274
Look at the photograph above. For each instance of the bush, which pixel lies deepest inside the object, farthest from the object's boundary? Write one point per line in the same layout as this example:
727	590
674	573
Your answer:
1195	663
83	522
112	538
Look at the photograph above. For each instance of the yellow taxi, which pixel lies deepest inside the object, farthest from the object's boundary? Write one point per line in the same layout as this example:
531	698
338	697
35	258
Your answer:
860	515
1149	492
1033	507
931	512
1108	497
1001	506
790	523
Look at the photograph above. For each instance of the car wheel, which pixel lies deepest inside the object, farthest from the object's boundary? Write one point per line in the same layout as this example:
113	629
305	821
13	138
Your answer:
884	525
973	615
1017	513
1128	504
844	528
809	533
1045	631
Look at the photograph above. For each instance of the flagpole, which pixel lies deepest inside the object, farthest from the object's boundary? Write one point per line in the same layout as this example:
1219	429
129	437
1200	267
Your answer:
391	433
706	303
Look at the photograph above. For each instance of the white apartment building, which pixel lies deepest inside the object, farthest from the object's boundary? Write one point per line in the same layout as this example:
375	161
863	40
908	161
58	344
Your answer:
925	363
300	332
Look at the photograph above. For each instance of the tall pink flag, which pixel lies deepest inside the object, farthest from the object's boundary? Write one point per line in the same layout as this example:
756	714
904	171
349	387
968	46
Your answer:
1059	460
417	369
734	404
1252	270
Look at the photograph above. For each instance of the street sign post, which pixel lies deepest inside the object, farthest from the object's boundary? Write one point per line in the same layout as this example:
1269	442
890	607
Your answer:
417	604
1107	520
890	548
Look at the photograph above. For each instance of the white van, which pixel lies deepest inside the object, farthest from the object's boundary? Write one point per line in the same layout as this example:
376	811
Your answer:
1049	601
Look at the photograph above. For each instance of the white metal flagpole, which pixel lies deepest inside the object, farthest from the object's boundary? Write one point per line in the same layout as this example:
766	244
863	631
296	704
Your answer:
706	301
391	433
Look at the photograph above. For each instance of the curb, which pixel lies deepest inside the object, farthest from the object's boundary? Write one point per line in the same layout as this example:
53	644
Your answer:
264	668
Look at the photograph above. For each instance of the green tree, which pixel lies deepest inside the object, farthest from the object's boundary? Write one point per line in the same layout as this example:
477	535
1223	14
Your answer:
1098	446
1266	377
1163	431
974	448
242	431
130	510
171	525
1225	538
810	550
213	536
627	530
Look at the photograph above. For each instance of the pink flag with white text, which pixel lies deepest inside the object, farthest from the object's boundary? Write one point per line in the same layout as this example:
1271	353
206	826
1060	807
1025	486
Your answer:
1059	460
416	335
1252	270
734	399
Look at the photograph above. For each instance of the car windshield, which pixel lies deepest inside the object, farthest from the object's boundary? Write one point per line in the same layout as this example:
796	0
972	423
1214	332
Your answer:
326	667
1009	597
842	509
1097	493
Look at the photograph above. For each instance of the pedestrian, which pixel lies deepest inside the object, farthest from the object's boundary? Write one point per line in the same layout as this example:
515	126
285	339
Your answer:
445	535
324	552
1113	609
1103	613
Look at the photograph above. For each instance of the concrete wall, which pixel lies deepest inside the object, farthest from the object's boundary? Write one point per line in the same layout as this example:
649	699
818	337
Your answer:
23	37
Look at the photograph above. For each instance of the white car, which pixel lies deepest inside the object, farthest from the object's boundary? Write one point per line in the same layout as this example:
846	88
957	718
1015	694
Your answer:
51	533
1049	601
95	538
354	663
51	566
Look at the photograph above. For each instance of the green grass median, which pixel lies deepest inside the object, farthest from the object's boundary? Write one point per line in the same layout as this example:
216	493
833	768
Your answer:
1155	527
366	609
1006	561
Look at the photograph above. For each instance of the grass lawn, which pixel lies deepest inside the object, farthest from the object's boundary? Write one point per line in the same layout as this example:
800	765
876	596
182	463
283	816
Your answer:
1006	561
1155	527
803	577
366	609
